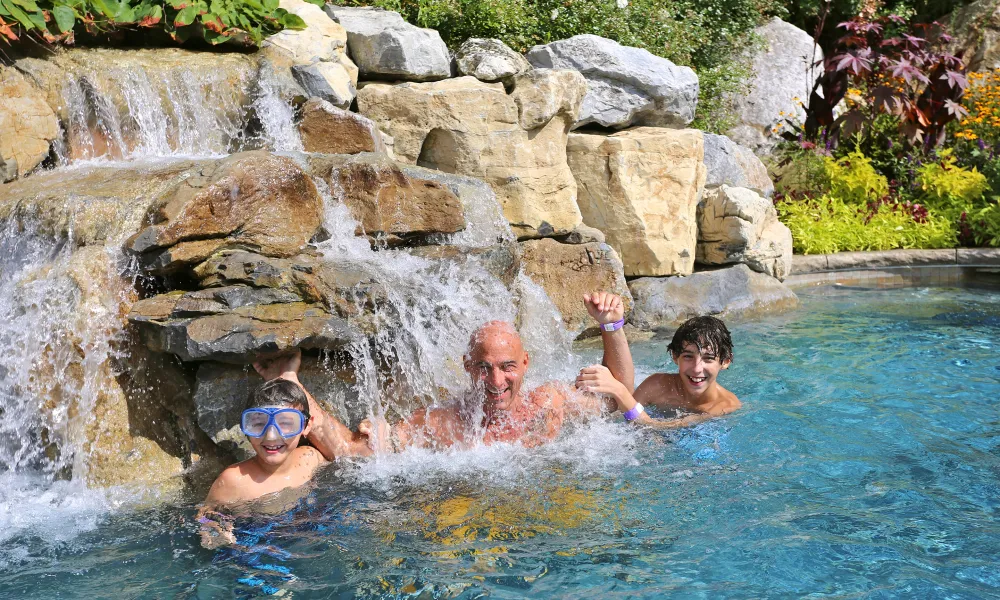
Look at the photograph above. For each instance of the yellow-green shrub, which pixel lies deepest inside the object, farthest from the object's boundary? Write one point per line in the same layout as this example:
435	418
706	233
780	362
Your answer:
828	224
854	180
949	189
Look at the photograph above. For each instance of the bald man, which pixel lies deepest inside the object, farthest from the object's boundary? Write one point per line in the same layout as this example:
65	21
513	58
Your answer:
496	408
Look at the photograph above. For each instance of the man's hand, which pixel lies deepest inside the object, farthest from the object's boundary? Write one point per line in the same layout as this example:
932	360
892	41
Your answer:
285	366
598	379
377	434
604	307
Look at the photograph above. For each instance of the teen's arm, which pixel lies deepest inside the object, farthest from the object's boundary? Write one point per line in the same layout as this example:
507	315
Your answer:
215	528
598	379
605	308
328	435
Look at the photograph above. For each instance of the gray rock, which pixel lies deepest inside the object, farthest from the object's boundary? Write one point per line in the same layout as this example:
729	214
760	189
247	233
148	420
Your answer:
583	234
384	46
327	80
738	225
663	302
489	60
783	77
728	163
236	324
626	86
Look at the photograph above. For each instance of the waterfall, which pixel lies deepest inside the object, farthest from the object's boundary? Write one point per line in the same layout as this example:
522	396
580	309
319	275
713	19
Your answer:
132	110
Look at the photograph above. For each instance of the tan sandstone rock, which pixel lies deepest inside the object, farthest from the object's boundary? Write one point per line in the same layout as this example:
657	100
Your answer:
641	187
737	225
331	130
568	271
27	125
253	200
472	128
386	201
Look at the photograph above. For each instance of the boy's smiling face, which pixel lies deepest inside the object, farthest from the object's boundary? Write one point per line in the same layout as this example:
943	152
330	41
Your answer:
698	369
272	449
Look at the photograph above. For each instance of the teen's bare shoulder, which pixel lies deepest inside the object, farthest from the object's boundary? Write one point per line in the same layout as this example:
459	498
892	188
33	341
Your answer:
659	389
229	486
308	456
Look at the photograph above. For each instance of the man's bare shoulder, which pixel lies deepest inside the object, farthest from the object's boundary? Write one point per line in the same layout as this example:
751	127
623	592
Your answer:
660	389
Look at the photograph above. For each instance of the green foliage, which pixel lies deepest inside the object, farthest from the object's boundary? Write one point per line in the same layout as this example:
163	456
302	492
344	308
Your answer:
984	225
245	22
854	180
708	35
828	224
948	188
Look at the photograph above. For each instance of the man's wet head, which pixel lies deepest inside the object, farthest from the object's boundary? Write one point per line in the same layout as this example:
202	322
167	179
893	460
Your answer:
497	362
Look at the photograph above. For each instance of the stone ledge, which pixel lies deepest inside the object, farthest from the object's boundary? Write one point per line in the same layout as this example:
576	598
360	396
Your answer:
853	261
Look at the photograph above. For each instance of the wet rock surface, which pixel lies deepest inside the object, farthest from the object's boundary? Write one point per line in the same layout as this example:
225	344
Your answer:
568	271
625	86
641	188
326	129
664	302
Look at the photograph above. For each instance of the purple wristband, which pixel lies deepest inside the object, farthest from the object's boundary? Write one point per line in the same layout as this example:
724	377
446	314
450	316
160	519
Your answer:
613	326
634	412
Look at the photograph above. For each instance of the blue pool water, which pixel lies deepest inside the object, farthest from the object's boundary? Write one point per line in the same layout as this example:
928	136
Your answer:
864	465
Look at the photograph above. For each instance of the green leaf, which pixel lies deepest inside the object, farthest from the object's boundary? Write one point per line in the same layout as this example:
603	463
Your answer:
28	5
293	21
270	5
215	38
65	18
186	16
319	3
18	15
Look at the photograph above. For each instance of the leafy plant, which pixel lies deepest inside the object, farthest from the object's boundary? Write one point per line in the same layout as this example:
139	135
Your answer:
948	188
904	75
245	22
853	179
827	224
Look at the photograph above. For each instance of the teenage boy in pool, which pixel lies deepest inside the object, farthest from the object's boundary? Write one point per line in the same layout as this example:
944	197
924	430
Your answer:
278	415
701	348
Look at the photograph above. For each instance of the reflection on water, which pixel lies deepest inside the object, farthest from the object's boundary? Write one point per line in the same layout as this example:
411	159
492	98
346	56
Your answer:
864	465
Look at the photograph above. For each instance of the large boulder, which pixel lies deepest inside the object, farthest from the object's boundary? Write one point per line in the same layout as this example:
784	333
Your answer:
728	163
782	81
625	86
976	31
236	324
317	55
489	60
471	128
568	271
385	201
254	200
545	94
326	129
641	187
27	125
737	225
664	302
384	46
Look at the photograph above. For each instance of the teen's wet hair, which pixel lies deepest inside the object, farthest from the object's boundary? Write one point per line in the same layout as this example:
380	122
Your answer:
279	392
707	333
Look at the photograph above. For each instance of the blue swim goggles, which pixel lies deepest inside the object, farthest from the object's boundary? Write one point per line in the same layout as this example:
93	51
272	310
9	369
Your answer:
288	421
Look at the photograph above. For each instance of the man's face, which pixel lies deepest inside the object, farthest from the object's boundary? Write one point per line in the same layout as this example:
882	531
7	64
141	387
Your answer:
698	369
497	363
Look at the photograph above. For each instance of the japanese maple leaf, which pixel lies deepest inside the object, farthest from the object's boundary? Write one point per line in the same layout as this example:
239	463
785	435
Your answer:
856	63
955	79
905	69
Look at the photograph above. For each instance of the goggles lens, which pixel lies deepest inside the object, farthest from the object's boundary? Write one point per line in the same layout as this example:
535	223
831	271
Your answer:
289	421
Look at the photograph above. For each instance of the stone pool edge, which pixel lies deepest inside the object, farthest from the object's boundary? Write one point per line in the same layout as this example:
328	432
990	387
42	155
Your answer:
896	268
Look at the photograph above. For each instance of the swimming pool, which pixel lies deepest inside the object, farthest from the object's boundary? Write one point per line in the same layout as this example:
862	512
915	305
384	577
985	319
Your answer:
864	464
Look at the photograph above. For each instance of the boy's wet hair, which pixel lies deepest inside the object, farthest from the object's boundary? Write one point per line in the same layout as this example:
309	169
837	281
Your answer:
279	392
707	333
